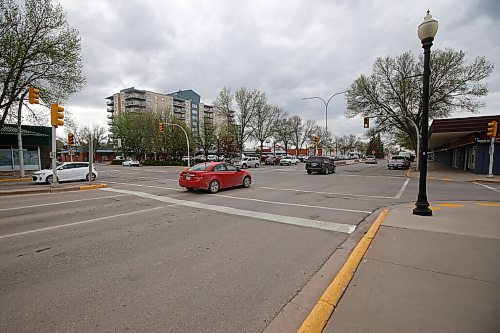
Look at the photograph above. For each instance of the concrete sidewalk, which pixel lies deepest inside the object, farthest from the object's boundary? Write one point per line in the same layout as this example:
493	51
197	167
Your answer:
438	171
427	274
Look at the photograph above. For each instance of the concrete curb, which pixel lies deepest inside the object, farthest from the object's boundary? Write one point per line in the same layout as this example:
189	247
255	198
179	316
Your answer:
318	318
4	180
52	190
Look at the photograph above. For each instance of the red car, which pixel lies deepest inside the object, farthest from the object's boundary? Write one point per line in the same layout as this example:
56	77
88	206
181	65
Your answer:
213	176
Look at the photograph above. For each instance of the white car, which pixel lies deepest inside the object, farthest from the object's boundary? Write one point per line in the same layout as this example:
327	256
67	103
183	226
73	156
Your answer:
131	162
66	172
288	160
248	162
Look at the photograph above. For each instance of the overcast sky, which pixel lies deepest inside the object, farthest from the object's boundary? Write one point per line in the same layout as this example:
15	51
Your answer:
288	49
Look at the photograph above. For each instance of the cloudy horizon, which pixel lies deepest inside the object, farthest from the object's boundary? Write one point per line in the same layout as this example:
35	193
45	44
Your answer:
287	49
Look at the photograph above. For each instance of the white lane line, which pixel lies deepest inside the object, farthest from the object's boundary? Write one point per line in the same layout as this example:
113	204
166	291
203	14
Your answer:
338	227
488	187
332	193
402	189
367	176
292	204
62	202
75	223
257	200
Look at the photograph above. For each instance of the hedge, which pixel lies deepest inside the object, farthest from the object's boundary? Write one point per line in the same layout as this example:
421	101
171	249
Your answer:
163	163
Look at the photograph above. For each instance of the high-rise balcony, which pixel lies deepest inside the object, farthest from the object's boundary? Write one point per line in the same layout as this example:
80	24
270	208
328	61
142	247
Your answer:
134	95
110	103
135	103
110	116
110	109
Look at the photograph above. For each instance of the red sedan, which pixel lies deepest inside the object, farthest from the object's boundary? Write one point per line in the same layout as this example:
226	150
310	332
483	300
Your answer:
213	176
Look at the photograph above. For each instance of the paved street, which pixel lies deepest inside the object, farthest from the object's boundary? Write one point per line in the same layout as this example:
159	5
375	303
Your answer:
145	255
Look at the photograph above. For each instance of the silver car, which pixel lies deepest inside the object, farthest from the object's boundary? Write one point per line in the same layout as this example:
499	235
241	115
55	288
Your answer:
248	162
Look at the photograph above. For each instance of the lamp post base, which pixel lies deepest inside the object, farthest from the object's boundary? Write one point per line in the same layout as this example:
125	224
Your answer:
422	206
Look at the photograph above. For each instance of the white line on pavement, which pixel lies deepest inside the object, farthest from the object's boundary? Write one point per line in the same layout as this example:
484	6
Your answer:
331	193
75	223
257	200
402	189
293	204
488	187
62	202
338	227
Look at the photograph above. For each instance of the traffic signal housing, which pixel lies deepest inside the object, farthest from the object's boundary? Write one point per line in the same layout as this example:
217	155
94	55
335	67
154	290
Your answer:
71	139
492	129
33	95
56	115
162	127
366	122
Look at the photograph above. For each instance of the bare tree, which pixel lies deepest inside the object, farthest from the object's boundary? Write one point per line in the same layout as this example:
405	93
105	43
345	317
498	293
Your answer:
392	93
262	125
283	131
246	102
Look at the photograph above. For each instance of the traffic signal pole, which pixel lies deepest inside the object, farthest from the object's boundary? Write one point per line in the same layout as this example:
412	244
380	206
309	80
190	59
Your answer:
54	158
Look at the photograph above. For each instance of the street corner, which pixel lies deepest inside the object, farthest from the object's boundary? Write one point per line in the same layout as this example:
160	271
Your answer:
325	306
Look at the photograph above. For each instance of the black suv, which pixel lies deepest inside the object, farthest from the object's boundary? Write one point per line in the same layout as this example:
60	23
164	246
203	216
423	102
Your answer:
320	164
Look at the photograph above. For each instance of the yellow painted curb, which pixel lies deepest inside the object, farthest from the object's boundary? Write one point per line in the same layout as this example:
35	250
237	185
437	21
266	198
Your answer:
318	318
15	180
91	187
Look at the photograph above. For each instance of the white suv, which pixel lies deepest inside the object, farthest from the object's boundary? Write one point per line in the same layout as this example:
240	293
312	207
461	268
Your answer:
288	160
248	162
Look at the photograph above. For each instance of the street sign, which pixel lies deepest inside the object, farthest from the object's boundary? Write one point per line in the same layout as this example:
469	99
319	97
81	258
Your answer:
52	154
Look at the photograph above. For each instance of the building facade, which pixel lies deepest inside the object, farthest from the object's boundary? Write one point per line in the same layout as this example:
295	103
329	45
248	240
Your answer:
462	143
184	105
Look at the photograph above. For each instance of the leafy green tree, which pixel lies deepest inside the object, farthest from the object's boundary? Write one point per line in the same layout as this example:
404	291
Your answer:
39	48
207	139
392	93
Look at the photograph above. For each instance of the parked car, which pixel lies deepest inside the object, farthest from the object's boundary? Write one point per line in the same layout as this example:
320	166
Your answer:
66	172
288	160
213	176
273	160
370	159
248	162
320	164
131	162
398	162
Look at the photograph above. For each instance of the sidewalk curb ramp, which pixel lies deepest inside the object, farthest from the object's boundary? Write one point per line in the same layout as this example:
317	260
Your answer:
322	311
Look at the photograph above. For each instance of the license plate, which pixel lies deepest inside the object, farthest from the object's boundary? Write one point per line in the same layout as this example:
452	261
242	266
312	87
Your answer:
188	177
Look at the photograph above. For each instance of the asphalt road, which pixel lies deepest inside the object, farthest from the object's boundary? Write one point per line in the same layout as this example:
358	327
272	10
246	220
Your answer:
145	255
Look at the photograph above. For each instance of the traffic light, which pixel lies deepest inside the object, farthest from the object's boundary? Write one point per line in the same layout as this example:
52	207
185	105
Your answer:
71	139
162	127
366	122
33	95
56	115
492	129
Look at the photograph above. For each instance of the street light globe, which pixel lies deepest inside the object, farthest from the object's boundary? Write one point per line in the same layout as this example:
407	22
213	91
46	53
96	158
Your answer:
428	28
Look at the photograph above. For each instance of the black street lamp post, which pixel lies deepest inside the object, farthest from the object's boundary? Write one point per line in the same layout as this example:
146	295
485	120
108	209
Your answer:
426	32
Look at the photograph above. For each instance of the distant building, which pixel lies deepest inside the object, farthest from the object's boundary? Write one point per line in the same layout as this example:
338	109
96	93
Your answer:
184	105
462	143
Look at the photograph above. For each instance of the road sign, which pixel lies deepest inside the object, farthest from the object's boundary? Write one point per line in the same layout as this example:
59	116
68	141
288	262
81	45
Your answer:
373	151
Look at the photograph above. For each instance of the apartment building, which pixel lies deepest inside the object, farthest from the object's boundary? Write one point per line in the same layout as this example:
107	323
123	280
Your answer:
184	105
